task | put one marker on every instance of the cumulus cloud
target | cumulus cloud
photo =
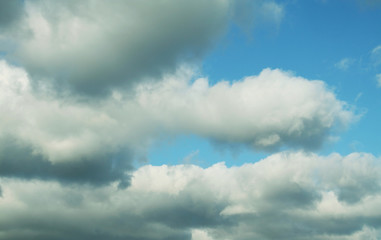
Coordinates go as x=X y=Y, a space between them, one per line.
x=265 y=112
x=91 y=47
x=290 y=195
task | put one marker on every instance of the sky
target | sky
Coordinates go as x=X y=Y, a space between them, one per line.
x=199 y=120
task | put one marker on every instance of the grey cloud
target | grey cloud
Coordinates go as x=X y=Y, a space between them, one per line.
x=10 y=12
x=20 y=160
x=92 y=47
x=172 y=202
x=356 y=178
x=290 y=195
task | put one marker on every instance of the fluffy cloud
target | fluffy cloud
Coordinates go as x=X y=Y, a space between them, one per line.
x=266 y=111
x=50 y=136
x=94 y=46
x=285 y=196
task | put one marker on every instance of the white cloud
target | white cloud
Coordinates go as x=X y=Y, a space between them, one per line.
x=303 y=196
x=198 y=234
x=272 y=109
x=266 y=111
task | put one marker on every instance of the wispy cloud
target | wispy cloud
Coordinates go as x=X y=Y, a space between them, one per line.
x=376 y=49
x=345 y=63
x=190 y=158
x=378 y=78
x=376 y=56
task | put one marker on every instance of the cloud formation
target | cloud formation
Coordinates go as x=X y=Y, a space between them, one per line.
x=92 y=47
x=285 y=196
x=265 y=112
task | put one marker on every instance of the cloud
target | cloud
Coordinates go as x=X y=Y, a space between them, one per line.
x=191 y=157
x=265 y=112
x=93 y=47
x=289 y=195
x=20 y=160
x=378 y=78
x=248 y=14
x=376 y=56
x=376 y=49
x=344 y=63
x=10 y=12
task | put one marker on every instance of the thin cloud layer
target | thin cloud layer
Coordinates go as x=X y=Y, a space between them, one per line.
x=264 y=112
x=90 y=47
x=285 y=196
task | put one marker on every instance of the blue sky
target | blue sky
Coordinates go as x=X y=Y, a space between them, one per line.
x=190 y=120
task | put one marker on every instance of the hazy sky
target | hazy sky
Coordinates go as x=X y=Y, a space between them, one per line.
x=199 y=120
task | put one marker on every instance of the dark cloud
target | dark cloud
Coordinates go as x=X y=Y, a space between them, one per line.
x=22 y=161
x=93 y=46
x=10 y=12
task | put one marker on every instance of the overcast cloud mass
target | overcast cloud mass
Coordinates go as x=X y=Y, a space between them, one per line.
x=88 y=87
